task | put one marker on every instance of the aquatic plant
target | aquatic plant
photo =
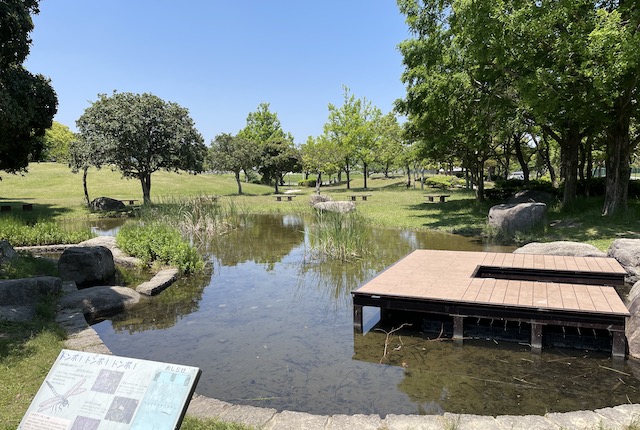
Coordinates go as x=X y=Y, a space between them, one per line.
x=20 y=232
x=340 y=236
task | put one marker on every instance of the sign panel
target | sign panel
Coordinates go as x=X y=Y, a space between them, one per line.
x=86 y=391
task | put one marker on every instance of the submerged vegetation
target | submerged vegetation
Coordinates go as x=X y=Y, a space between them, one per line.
x=339 y=236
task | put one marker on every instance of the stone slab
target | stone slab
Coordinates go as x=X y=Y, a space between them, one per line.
x=525 y=422
x=469 y=422
x=580 y=420
x=248 y=415
x=623 y=415
x=358 y=421
x=160 y=281
x=414 y=422
x=205 y=407
x=291 y=420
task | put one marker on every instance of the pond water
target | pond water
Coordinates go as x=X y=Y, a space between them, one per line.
x=271 y=327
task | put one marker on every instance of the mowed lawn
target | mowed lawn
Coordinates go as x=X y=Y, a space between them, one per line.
x=57 y=193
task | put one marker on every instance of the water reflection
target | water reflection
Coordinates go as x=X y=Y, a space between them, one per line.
x=273 y=327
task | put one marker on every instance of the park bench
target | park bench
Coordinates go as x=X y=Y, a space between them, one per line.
x=441 y=197
x=354 y=197
x=130 y=201
x=288 y=197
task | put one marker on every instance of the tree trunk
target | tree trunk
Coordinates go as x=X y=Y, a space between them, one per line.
x=524 y=165
x=84 y=185
x=364 y=168
x=145 y=181
x=237 y=173
x=547 y=160
x=347 y=172
x=570 y=151
x=318 y=183
x=619 y=149
x=408 y=176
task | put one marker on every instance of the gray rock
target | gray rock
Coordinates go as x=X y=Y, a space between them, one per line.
x=335 y=206
x=627 y=252
x=318 y=198
x=525 y=422
x=360 y=422
x=118 y=256
x=18 y=297
x=100 y=300
x=528 y=196
x=6 y=251
x=87 y=266
x=509 y=219
x=574 y=249
x=159 y=282
x=580 y=420
x=106 y=204
x=632 y=327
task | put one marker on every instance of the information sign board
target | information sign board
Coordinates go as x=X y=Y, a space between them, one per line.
x=87 y=391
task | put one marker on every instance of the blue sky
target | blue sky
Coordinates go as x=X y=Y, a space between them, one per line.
x=221 y=59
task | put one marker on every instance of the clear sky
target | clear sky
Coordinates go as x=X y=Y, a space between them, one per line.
x=221 y=59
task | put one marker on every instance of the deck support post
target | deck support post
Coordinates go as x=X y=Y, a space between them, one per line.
x=536 y=337
x=458 y=327
x=619 y=345
x=357 y=319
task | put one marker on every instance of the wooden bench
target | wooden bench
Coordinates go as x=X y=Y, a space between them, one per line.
x=130 y=201
x=289 y=197
x=354 y=197
x=5 y=208
x=442 y=197
x=27 y=207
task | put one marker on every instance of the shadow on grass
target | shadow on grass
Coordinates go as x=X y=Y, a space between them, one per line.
x=462 y=216
x=29 y=210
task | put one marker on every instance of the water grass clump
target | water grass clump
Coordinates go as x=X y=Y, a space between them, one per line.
x=158 y=243
x=339 y=236
x=198 y=217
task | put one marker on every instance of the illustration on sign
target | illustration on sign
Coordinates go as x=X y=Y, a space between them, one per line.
x=85 y=391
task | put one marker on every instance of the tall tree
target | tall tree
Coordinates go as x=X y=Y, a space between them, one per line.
x=142 y=134
x=27 y=102
x=320 y=155
x=56 y=143
x=234 y=154
x=279 y=156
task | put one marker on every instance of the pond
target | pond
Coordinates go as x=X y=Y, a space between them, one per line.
x=271 y=327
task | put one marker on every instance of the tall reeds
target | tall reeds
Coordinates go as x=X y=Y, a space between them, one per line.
x=197 y=217
x=339 y=236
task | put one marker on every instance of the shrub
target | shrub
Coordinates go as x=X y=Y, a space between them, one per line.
x=307 y=183
x=442 y=181
x=504 y=189
x=20 y=233
x=160 y=243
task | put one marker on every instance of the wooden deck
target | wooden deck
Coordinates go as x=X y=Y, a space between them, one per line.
x=537 y=289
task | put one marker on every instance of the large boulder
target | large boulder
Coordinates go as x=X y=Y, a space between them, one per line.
x=87 y=266
x=319 y=198
x=528 y=196
x=335 y=206
x=118 y=255
x=509 y=219
x=627 y=252
x=574 y=249
x=18 y=297
x=101 y=300
x=106 y=204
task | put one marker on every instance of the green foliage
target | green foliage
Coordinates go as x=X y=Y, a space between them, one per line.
x=56 y=143
x=307 y=183
x=442 y=181
x=139 y=134
x=27 y=102
x=339 y=236
x=506 y=188
x=279 y=156
x=159 y=243
x=233 y=154
x=20 y=233
x=26 y=266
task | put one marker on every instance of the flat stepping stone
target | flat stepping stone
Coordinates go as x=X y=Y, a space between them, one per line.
x=159 y=282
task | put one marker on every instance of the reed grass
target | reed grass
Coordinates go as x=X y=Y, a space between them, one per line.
x=339 y=236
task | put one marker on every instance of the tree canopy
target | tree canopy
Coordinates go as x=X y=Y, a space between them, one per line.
x=481 y=74
x=27 y=102
x=234 y=154
x=140 y=134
